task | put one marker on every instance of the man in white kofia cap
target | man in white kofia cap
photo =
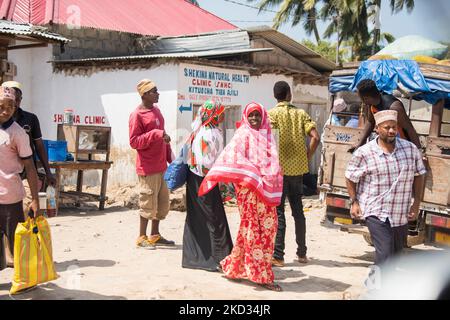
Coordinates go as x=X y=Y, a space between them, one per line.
x=381 y=179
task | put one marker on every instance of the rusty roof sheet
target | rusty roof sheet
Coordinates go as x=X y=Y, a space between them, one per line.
x=25 y=29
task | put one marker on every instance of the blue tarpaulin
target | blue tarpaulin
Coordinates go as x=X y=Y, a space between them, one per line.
x=387 y=74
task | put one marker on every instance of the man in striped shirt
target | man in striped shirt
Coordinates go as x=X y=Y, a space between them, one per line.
x=381 y=178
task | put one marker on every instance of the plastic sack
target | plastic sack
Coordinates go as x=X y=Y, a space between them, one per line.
x=176 y=173
x=33 y=257
x=382 y=57
x=445 y=62
x=409 y=46
x=425 y=59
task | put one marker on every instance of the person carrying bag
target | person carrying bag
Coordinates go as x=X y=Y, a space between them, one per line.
x=33 y=256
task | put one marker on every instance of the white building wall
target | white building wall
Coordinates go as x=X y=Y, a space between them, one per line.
x=314 y=94
x=262 y=89
x=22 y=59
x=112 y=95
x=108 y=94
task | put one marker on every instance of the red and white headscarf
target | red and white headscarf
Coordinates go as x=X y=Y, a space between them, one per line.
x=249 y=160
x=206 y=140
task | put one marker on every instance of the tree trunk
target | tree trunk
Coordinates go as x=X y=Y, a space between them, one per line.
x=375 y=40
x=316 y=34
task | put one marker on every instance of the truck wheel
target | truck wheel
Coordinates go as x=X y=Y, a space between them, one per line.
x=368 y=239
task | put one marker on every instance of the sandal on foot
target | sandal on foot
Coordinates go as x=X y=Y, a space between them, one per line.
x=159 y=240
x=272 y=286
x=142 y=242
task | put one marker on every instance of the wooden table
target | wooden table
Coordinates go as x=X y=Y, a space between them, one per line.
x=79 y=195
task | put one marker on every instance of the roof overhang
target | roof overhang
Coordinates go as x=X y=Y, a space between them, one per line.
x=300 y=77
x=176 y=55
x=31 y=36
x=294 y=48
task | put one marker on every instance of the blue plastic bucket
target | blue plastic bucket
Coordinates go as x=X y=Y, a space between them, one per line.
x=56 y=150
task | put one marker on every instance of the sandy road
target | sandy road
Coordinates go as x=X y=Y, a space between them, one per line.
x=96 y=259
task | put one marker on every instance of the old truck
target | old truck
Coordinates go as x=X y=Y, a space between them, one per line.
x=427 y=102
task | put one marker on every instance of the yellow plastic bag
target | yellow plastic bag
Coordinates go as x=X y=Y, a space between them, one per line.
x=33 y=259
x=425 y=59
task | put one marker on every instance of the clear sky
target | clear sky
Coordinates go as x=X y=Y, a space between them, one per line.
x=430 y=18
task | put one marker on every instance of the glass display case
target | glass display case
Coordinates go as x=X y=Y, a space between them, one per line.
x=85 y=140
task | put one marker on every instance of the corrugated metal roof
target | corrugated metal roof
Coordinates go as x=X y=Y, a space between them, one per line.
x=146 y=17
x=294 y=48
x=198 y=54
x=227 y=40
x=17 y=29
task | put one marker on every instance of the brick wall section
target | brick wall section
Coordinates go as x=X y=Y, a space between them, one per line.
x=95 y=43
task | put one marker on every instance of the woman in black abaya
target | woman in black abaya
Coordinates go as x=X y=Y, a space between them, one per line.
x=206 y=238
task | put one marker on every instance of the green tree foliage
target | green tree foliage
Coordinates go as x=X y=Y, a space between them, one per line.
x=194 y=2
x=365 y=51
x=349 y=19
x=294 y=11
x=326 y=49
x=398 y=5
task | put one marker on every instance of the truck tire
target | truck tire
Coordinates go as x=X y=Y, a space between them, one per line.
x=368 y=239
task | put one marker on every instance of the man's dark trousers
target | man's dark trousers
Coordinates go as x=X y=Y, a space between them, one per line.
x=292 y=189
x=387 y=240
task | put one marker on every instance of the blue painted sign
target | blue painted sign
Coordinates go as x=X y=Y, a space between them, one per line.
x=183 y=108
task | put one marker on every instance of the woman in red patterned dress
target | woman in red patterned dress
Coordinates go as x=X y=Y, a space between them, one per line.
x=250 y=161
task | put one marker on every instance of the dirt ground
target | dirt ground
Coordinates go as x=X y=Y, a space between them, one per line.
x=96 y=258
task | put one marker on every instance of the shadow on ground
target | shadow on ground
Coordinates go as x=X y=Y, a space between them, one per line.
x=89 y=211
x=306 y=285
x=62 y=266
x=315 y=284
x=5 y=286
x=368 y=256
x=51 y=291
x=329 y=263
x=282 y=273
x=175 y=247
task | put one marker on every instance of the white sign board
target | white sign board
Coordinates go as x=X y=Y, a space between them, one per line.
x=197 y=84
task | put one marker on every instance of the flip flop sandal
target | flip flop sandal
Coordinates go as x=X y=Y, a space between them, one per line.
x=272 y=287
